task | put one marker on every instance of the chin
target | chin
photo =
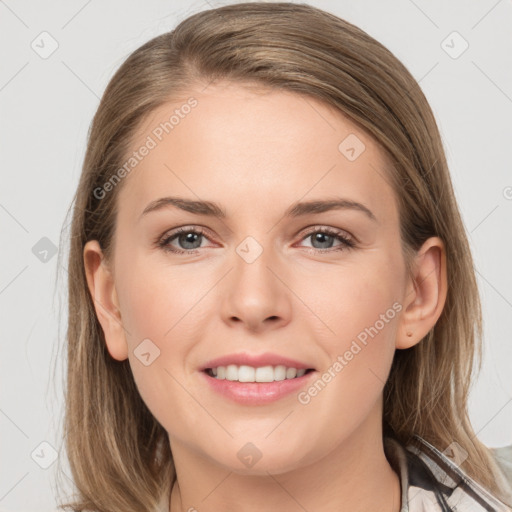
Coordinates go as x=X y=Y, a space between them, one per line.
x=249 y=460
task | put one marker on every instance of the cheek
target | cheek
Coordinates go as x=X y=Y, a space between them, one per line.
x=359 y=314
x=155 y=299
x=160 y=337
x=353 y=302
x=358 y=359
x=161 y=309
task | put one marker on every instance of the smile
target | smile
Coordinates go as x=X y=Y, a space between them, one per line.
x=272 y=386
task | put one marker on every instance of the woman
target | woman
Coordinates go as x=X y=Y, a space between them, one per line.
x=272 y=299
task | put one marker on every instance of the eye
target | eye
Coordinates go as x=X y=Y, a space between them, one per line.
x=322 y=239
x=188 y=240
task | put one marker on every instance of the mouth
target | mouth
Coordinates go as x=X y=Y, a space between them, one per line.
x=248 y=374
x=257 y=385
x=256 y=379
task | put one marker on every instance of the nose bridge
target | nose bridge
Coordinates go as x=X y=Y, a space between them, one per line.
x=253 y=293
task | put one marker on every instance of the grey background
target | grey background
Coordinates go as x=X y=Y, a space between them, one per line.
x=48 y=103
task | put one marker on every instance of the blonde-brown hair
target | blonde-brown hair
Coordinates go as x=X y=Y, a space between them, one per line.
x=118 y=452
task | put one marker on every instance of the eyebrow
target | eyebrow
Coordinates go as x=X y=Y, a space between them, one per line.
x=296 y=210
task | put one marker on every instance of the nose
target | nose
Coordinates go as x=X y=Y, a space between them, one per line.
x=255 y=296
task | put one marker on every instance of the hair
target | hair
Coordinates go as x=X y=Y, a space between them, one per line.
x=119 y=453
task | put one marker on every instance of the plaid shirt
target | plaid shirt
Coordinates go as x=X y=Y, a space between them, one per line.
x=433 y=481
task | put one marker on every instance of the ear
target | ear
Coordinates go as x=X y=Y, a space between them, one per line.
x=425 y=294
x=101 y=285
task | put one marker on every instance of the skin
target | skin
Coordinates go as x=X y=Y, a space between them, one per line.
x=256 y=152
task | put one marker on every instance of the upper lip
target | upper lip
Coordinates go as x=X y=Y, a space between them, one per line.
x=255 y=360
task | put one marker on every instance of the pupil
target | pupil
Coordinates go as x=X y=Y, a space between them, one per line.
x=321 y=238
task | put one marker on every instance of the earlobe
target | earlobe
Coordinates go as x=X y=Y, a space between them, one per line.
x=106 y=304
x=425 y=294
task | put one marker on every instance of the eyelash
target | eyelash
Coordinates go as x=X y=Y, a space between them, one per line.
x=346 y=243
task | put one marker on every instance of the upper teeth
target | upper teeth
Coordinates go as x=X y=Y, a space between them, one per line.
x=261 y=374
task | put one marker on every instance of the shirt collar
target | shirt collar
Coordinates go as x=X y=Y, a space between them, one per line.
x=433 y=481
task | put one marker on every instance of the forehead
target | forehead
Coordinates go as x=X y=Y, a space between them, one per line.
x=232 y=143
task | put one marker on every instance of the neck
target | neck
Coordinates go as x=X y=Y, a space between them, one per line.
x=353 y=476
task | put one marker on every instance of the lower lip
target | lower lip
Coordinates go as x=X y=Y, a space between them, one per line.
x=257 y=393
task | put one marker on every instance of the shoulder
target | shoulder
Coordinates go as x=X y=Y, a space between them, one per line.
x=432 y=480
x=503 y=458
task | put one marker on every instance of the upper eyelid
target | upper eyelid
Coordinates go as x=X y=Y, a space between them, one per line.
x=183 y=229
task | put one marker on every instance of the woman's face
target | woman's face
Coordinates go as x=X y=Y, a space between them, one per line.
x=261 y=279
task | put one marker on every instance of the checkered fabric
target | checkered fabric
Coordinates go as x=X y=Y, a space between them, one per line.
x=434 y=481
